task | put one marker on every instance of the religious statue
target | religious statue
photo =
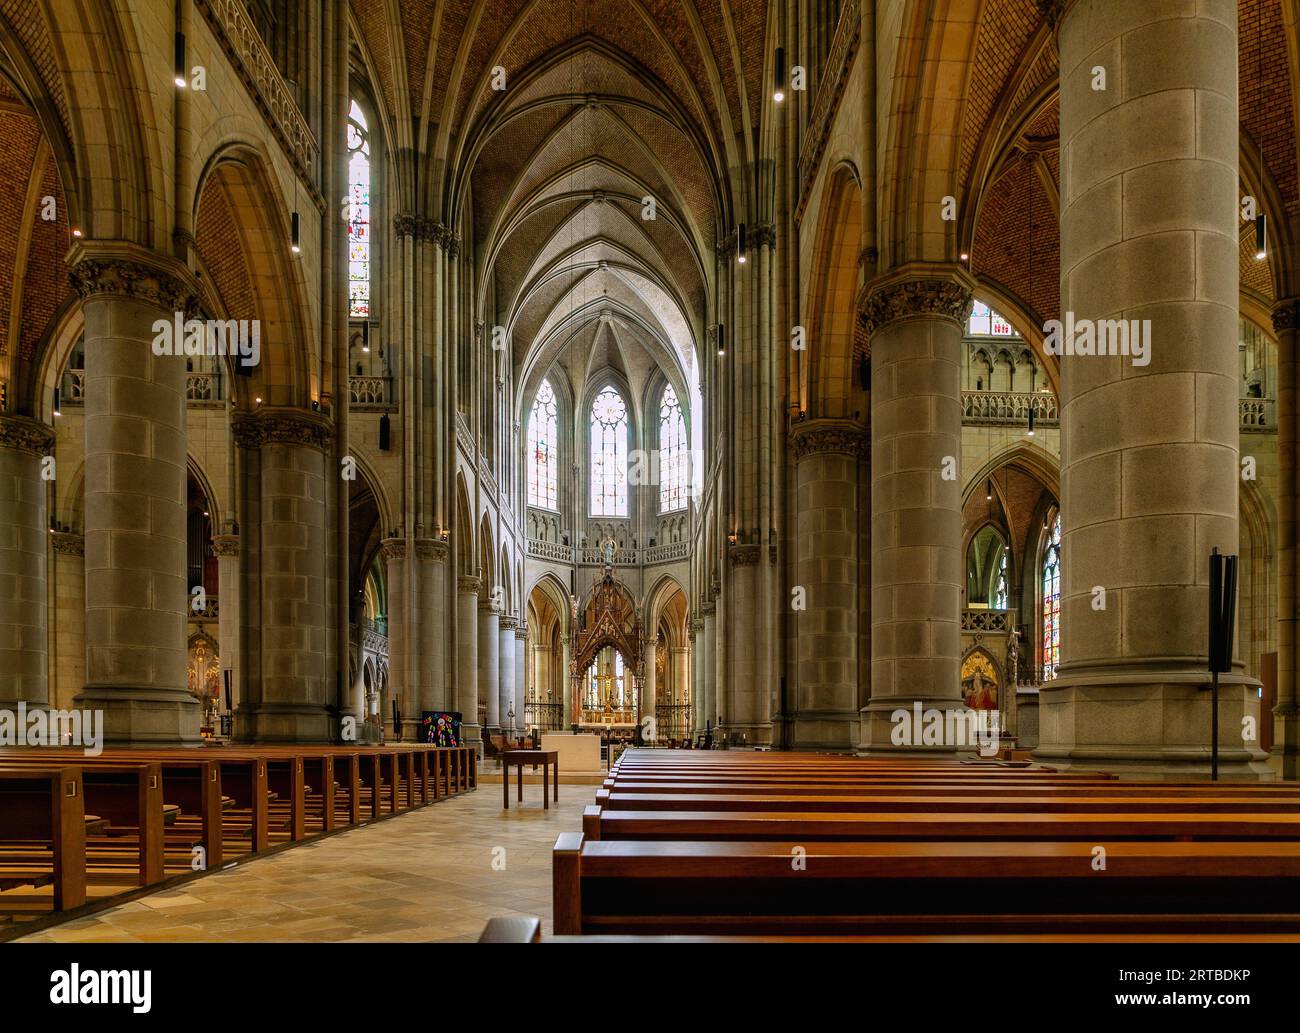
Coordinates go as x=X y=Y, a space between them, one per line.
x=607 y=549
x=1013 y=658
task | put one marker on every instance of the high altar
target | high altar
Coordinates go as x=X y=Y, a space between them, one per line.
x=606 y=665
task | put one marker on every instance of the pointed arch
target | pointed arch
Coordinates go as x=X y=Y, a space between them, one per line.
x=826 y=383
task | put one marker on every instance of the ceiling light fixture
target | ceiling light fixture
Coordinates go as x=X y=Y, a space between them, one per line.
x=778 y=92
x=180 y=60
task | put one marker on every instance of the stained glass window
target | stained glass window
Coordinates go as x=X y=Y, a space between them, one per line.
x=609 y=454
x=543 y=440
x=674 y=457
x=1052 y=601
x=358 y=206
x=984 y=322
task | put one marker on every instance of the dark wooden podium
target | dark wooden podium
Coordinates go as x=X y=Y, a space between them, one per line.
x=530 y=758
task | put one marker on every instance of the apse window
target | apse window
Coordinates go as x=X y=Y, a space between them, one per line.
x=358 y=214
x=674 y=457
x=543 y=438
x=609 y=454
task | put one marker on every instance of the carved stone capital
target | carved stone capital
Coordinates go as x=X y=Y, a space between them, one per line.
x=466 y=584
x=225 y=545
x=1286 y=315
x=840 y=437
x=744 y=555
x=393 y=548
x=276 y=426
x=763 y=235
x=117 y=269
x=927 y=293
x=521 y=631
x=68 y=544
x=508 y=623
x=451 y=244
x=707 y=609
x=1053 y=11
x=431 y=549
x=23 y=434
x=405 y=224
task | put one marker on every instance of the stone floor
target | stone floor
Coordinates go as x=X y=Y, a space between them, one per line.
x=428 y=875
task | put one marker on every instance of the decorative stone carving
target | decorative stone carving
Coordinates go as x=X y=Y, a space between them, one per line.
x=279 y=426
x=431 y=549
x=708 y=610
x=764 y=234
x=68 y=544
x=393 y=548
x=1053 y=10
x=468 y=585
x=1286 y=315
x=405 y=224
x=744 y=555
x=123 y=277
x=821 y=437
x=225 y=545
x=929 y=297
x=23 y=434
x=508 y=623
x=826 y=101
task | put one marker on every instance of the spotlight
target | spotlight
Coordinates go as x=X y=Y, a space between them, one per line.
x=293 y=234
x=1031 y=419
x=76 y=232
x=1261 y=236
x=965 y=257
x=778 y=92
x=989 y=490
x=722 y=340
x=258 y=399
x=57 y=411
x=180 y=60
x=740 y=243
x=365 y=337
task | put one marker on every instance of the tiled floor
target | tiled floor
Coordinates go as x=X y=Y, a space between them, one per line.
x=438 y=873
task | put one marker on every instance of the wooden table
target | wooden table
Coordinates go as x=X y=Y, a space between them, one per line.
x=546 y=758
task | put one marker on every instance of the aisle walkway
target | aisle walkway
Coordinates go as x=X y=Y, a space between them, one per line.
x=423 y=876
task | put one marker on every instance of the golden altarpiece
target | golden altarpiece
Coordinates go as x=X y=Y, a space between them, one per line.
x=606 y=665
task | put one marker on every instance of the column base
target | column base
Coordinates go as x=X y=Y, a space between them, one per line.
x=1285 y=757
x=876 y=728
x=758 y=734
x=1149 y=725
x=283 y=722
x=829 y=730
x=143 y=717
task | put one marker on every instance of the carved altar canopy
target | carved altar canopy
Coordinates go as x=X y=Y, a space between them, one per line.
x=608 y=619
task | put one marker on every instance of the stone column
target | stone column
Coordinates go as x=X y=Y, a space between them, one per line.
x=400 y=638
x=521 y=675
x=1286 y=712
x=24 y=593
x=69 y=609
x=708 y=664
x=650 y=696
x=695 y=631
x=914 y=319
x=749 y=713
x=506 y=669
x=489 y=662
x=1149 y=475
x=432 y=557
x=290 y=697
x=829 y=454
x=467 y=589
x=135 y=494
x=226 y=549
x=680 y=662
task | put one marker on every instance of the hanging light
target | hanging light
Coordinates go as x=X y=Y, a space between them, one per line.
x=778 y=92
x=740 y=243
x=1031 y=418
x=989 y=490
x=965 y=257
x=1261 y=236
x=180 y=60
x=722 y=339
x=365 y=337
x=293 y=233
x=57 y=411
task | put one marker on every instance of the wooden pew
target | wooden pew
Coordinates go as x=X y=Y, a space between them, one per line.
x=49 y=803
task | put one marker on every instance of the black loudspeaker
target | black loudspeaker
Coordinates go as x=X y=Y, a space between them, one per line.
x=864 y=372
x=225 y=675
x=1223 y=608
x=385 y=433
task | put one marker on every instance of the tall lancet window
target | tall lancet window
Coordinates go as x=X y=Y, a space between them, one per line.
x=609 y=454
x=674 y=456
x=543 y=439
x=1052 y=600
x=358 y=214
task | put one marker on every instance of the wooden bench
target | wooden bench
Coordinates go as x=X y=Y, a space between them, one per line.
x=48 y=803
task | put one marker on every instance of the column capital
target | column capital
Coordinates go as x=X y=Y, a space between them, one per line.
x=744 y=555
x=508 y=623
x=521 y=631
x=843 y=437
x=1286 y=315
x=24 y=434
x=68 y=544
x=431 y=549
x=225 y=545
x=916 y=291
x=393 y=548
x=467 y=584
x=119 y=268
x=281 y=425
x=707 y=609
x=1053 y=10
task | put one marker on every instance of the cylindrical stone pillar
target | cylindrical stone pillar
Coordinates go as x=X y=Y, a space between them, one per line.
x=1286 y=711
x=68 y=607
x=829 y=454
x=750 y=711
x=1149 y=385
x=400 y=639
x=708 y=661
x=650 y=697
x=24 y=592
x=915 y=318
x=226 y=549
x=467 y=589
x=506 y=670
x=135 y=494
x=289 y=703
x=521 y=676
x=489 y=663
x=432 y=555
